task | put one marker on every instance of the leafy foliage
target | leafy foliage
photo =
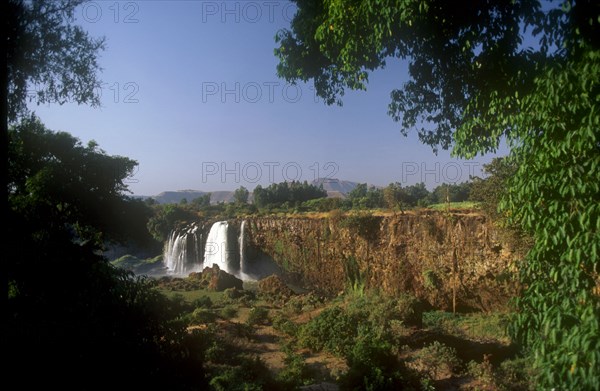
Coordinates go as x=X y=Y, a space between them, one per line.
x=65 y=201
x=554 y=196
x=45 y=50
x=257 y=316
x=165 y=218
x=437 y=358
x=456 y=54
x=296 y=372
x=290 y=193
x=475 y=79
x=361 y=333
x=365 y=197
x=240 y=195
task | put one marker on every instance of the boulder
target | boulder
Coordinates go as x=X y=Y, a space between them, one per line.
x=218 y=280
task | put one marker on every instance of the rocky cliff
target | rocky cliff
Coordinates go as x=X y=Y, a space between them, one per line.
x=443 y=258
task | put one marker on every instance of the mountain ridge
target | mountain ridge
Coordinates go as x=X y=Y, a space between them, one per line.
x=336 y=188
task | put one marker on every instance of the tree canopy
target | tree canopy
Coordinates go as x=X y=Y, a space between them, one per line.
x=462 y=59
x=525 y=71
x=45 y=50
x=66 y=200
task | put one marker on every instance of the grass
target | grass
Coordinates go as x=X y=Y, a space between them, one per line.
x=455 y=205
x=477 y=326
x=130 y=261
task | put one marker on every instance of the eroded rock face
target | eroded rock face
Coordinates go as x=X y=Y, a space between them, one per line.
x=433 y=255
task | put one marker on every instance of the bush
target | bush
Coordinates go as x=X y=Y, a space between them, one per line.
x=228 y=312
x=482 y=372
x=373 y=366
x=202 y=302
x=201 y=315
x=441 y=321
x=283 y=324
x=300 y=303
x=258 y=315
x=516 y=374
x=250 y=375
x=232 y=293
x=409 y=310
x=295 y=373
x=333 y=330
x=435 y=360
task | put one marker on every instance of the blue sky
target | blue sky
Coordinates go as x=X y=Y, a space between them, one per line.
x=191 y=93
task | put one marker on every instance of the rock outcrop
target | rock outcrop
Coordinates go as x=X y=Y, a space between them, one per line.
x=215 y=279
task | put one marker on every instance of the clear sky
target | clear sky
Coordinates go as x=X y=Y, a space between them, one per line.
x=191 y=93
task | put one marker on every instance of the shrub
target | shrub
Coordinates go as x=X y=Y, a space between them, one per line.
x=228 y=312
x=516 y=374
x=295 y=373
x=232 y=293
x=283 y=324
x=258 y=315
x=445 y=322
x=482 y=372
x=202 y=302
x=435 y=360
x=250 y=375
x=242 y=330
x=201 y=315
x=333 y=330
x=300 y=303
x=373 y=366
x=409 y=310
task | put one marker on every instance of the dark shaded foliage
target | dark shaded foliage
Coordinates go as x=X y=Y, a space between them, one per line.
x=71 y=315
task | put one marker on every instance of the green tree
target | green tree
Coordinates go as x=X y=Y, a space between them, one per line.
x=203 y=201
x=66 y=200
x=360 y=191
x=286 y=193
x=488 y=191
x=451 y=192
x=521 y=70
x=45 y=50
x=240 y=195
x=417 y=194
x=394 y=196
x=165 y=218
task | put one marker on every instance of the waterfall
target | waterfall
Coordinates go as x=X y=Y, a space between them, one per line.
x=217 y=248
x=182 y=250
x=186 y=251
x=241 y=242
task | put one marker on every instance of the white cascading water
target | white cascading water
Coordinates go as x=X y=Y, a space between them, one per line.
x=217 y=247
x=241 y=242
x=177 y=258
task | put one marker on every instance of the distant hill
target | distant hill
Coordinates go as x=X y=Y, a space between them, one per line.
x=336 y=188
x=174 y=197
